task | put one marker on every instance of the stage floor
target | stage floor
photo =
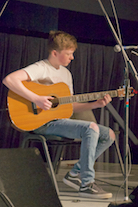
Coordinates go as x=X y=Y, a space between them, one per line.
x=109 y=176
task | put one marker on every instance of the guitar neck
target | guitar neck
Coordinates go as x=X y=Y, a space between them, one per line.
x=87 y=97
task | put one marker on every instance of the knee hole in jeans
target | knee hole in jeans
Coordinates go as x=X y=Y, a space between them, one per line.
x=94 y=126
x=112 y=134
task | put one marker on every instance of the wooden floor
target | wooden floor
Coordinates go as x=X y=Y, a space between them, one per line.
x=109 y=176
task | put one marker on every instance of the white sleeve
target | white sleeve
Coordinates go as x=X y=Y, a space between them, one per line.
x=35 y=71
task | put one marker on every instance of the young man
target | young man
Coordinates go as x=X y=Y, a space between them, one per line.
x=95 y=138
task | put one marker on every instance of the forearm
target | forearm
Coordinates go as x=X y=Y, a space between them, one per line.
x=15 y=84
x=79 y=107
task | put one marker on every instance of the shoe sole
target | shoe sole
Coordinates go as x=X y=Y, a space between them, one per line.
x=102 y=196
x=72 y=185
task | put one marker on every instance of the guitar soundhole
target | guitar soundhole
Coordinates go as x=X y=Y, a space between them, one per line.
x=55 y=102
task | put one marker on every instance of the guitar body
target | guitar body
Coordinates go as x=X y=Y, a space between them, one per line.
x=21 y=111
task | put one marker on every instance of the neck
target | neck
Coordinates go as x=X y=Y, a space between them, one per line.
x=53 y=62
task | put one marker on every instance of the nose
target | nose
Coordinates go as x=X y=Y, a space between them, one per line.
x=72 y=57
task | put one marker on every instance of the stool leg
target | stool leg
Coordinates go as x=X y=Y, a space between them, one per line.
x=45 y=147
x=47 y=156
x=57 y=160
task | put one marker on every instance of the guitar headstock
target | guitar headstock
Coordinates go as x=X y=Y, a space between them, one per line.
x=121 y=92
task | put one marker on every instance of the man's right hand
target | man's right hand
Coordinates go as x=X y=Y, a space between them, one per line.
x=44 y=102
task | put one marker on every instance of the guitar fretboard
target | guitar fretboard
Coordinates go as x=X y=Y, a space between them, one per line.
x=86 y=97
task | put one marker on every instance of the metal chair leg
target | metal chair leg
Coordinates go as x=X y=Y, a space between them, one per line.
x=42 y=139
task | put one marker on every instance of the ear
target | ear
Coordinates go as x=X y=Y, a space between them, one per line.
x=54 y=53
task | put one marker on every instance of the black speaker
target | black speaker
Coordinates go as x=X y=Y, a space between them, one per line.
x=24 y=180
x=123 y=204
x=134 y=195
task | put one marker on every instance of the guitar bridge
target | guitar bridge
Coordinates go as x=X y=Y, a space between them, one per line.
x=34 y=107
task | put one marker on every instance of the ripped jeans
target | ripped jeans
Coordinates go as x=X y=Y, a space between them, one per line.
x=93 y=143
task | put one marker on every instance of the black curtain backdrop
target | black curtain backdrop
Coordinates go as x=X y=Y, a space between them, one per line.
x=95 y=68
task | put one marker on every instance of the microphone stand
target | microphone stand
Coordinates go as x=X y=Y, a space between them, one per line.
x=4 y=8
x=129 y=65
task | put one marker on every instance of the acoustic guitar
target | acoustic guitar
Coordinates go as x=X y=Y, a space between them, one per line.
x=26 y=116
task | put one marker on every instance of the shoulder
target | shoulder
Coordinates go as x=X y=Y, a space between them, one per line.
x=36 y=70
x=35 y=66
x=42 y=63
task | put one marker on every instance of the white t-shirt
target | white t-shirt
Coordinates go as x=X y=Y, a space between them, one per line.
x=43 y=72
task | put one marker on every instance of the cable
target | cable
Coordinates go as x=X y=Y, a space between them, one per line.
x=114 y=185
x=119 y=33
x=114 y=33
x=117 y=23
x=121 y=186
x=6 y=200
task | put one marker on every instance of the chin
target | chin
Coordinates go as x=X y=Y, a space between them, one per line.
x=65 y=64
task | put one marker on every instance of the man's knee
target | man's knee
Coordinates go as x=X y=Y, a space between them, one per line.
x=94 y=126
x=112 y=134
